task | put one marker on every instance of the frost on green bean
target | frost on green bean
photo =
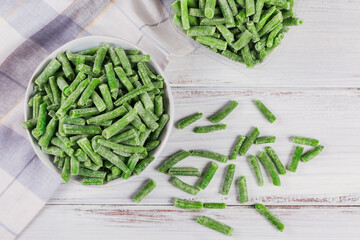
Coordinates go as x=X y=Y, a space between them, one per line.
x=263 y=140
x=271 y=217
x=224 y=112
x=215 y=225
x=249 y=141
x=295 y=158
x=243 y=190
x=208 y=175
x=185 y=204
x=189 y=120
x=184 y=186
x=306 y=141
x=256 y=168
x=265 y=111
x=209 y=154
x=228 y=179
x=211 y=128
x=174 y=159
x=270 y=168
x=312 y=153
x=149 y=186
x=274 y=157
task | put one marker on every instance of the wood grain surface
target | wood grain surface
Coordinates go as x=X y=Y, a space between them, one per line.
x=312 y=84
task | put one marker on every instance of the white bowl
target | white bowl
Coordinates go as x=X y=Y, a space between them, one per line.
x=82 y=44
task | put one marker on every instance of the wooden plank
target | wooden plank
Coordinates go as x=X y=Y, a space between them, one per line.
x=323 y=52
x=327 y=114
x=152 y=222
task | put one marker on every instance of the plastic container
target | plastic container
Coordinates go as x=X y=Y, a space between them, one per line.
x=79 y=45
x=299 y=9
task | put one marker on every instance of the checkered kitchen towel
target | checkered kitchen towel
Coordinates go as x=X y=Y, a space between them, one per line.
x=29 y=31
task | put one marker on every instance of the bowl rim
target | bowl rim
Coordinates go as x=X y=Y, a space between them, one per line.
x=69 y=46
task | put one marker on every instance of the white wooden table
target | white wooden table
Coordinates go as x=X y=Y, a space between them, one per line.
x=312 y=85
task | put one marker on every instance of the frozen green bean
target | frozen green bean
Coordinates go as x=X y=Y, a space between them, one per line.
x=208 y=175
x=256 y=168
x=215 y=205
x=271 y=217
x=295 y=159
x=212 y=42
x=215 y=225
x=91 y=173
x=48 y=71
x=312 y=153
x=49 y=133
x=208 y=154
x=149 y=187
x=184 y=172
x=265 y=111
x=189 y=120
x=184 y=186
x=249 y=141
x=279 y=3
x=120 y=147
x=270 y=168
x=306 y=141
x=140 y=167
x=211 y=128
x=243 y=190
x=224 y=112
x=119 y=124
x=65 y=174
x=105 y=92
x=85 y=145
x=237 y=146
x=125 y=63
x=243 y=40
x=293 y=22
x=174 y=159
x=92 y=181
x=275 y=159
x=249 y=7
x=185 y=204
x=201 y=31
x=66 y=66
x=263 y=140
x=99 y=58
x=228 y=179
x=132 y=94
x=41 y=122
x=133 y=160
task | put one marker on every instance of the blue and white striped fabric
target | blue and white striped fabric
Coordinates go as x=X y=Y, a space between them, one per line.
x=30 y=30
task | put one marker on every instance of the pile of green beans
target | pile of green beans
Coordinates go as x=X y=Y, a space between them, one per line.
x=243 y=31
x=99 y=112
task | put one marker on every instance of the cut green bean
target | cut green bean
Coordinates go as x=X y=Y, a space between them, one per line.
x=212 y=42
x=111 y=157
x=312 y=154
x=201 y=31
x=174 y=159
x=88 y=91
x=158 y=106
x=52 y=150
x=189 y=120
x=124 y=60
x=131 y=166
x=120 y=124
x=184 y=186
x=306 y=141
x=48 y=71
x=41 y=122
x=118 y=112
x=249 y=7
x=149 y=187
x=208 y=154
x=208 y=175
x=224 y=112
x=85 y=145
x=215 y=205
x=144 y=163
x=49 y=133
x=244 y=39
x=265 y=111
x=145 y=116
x=78 y=129
x=258 y=10
x=270 y=168
x=29 y=124
x=271 y=217
x=152 y=145
x=265 y=15
x=295 y=159
x=65 y=174
x=243 y=190
x=237 y=146
x=130 y=95
x=228 y=179
x=293 y=22
x=78 y=79
x=105 y=92
x=212 y=22
x=66 y=66
x=249 y=141
x=184 y=14
x=99 y=58
x=121 y=137
x=279 y=3
x=185 y=204
x=215 y=225
x=120 y=147
x=92 y=181
x=184 y=172
x=275 y=159
x=256 y=168
x=226 y=11
x=72 y=98
x=91 y=173
x=209 y=10
x=112 y=81
x=271 y=24
x=80 y=155
x=211 y=128
x=57 y=142
x=263 y=140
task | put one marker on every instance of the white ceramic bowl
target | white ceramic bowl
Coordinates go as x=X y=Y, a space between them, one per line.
x=82 y=44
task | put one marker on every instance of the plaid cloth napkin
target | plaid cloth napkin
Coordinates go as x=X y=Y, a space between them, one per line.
x=31 y=30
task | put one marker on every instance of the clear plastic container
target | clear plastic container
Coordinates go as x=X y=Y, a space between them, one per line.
x=299 y=8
